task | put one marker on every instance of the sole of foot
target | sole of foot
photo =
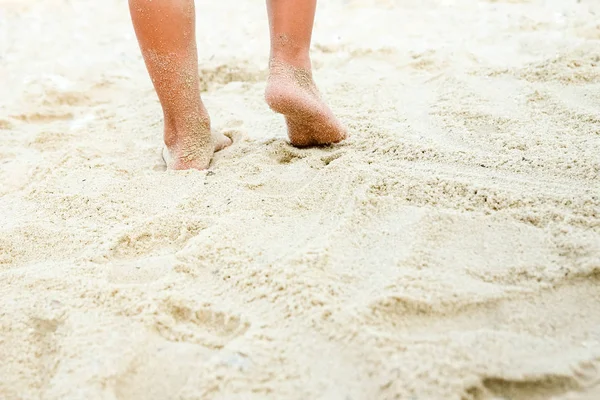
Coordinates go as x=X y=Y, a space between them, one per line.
x=292 y=92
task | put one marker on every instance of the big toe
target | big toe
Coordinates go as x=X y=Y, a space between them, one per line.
x=221 y=141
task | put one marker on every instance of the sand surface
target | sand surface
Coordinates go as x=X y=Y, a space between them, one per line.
x=450 y=249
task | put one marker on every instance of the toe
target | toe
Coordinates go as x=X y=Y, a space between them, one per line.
x=221 y=141
x=168 y=158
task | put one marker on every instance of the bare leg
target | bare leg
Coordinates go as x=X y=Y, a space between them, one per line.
x=291 y=90
x=166 y=33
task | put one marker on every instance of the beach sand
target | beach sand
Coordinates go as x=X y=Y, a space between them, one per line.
x=449 y=249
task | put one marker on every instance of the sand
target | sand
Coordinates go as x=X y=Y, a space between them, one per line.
x=450 y=249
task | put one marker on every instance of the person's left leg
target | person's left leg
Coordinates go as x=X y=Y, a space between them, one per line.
x=166 y=33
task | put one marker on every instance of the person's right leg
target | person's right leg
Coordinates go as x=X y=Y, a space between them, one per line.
x=291 y=90
x=166 y=34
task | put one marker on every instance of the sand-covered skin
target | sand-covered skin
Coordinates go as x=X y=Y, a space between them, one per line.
x=449 y=249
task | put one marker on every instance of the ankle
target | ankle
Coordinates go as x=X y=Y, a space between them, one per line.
x=299 y=59
x=177 y=131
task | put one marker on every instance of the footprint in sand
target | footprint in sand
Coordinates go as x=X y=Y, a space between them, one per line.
x=6 y=124
x=44 y=117
x=154 y=237
x=544 y=386
x=178 y=321
x=230 y=72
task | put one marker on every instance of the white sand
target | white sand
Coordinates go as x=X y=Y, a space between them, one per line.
x=449 y=250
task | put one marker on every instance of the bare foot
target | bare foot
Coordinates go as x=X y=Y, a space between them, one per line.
x=292 y=92
x=194 y=148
